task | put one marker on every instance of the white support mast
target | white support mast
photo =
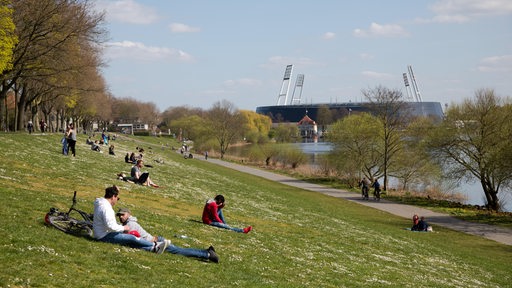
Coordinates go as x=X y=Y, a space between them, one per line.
x=415 y=88
x=299 y=83
x=286 y=83
x=407 y=87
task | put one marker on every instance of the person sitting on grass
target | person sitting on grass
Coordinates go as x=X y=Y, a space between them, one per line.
x=111 y=150
x=106 y=228
x=95 y=146
x=126 y=218
x=137 y=177
x=419 y=224
x=212 y=215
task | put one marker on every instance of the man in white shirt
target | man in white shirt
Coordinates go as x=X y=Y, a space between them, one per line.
x=106 y=229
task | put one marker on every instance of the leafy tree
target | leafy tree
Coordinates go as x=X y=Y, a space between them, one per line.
x=8 y=38
x=175 y=113
x=357 y=141
x=256 y=126
x=56 y=39
x=267 y=151
x=474 y=141
x=291 y=155
x=284 y=133
x=413 y=165
x=225 y=124
x=191 y=127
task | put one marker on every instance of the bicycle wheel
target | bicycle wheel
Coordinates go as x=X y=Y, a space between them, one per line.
x=60 y=222
x=80 y=229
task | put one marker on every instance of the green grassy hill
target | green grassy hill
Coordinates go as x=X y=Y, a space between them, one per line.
x=300 y=238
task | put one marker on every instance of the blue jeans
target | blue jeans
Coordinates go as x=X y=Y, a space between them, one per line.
x=188 y=252
x=128 y=240
x=224 y=225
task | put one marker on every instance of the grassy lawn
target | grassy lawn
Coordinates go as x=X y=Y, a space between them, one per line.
x=300 y=238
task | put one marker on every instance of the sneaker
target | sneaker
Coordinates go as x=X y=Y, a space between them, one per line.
x=160 y=247
x=212 y=256
x=247 y=229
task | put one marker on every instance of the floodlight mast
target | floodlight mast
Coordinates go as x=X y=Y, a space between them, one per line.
x=414 y=85
x=299 y=83
x=407 y=87
x=286 y=83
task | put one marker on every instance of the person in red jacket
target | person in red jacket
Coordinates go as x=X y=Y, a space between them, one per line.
x=212 y=215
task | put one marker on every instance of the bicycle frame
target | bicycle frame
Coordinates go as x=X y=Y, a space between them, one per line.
x=87 y=217
x=64 y=222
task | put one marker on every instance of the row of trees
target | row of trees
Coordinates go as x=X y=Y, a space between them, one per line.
x=50 y=68
x=472 y=142
x=52 y=61
x=218 y=127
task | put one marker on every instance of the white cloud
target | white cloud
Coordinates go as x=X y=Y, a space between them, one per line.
x=329 y=35
x=139 y=51
x=182 y=28
x=377 y=75
x=496 y=64
x=460 y=11
x=127 y=11
x=377 y=30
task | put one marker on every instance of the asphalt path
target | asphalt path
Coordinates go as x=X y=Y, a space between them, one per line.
x=498 y=234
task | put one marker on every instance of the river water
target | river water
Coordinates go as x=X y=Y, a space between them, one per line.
x=472 y=191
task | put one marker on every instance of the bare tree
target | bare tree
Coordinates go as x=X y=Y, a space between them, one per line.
x=226 y=124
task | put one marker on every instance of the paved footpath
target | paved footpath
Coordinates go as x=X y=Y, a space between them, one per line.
x=498 y=234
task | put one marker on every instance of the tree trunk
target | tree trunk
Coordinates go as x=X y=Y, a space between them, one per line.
x=21 y=107
x=491 y=195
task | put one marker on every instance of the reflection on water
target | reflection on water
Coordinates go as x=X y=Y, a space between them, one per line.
x=472 y=191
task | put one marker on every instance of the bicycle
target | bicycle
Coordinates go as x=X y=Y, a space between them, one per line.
x=364 y=192
x=64 y=222
x=376 y=194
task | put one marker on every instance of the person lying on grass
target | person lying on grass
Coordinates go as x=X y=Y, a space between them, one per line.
x=106 y=228
x=212 y=215
x=126 y=218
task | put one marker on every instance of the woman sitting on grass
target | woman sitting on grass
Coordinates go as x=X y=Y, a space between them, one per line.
x=136 y=176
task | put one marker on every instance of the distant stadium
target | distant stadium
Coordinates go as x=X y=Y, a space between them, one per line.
x=294 y=111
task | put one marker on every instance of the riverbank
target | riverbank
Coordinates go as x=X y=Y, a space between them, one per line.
x=446 y=203
x=500 y=230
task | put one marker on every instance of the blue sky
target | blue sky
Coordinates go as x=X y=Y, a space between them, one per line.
x=198 y=52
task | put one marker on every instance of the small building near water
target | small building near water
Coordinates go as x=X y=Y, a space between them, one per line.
x=308 y=128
